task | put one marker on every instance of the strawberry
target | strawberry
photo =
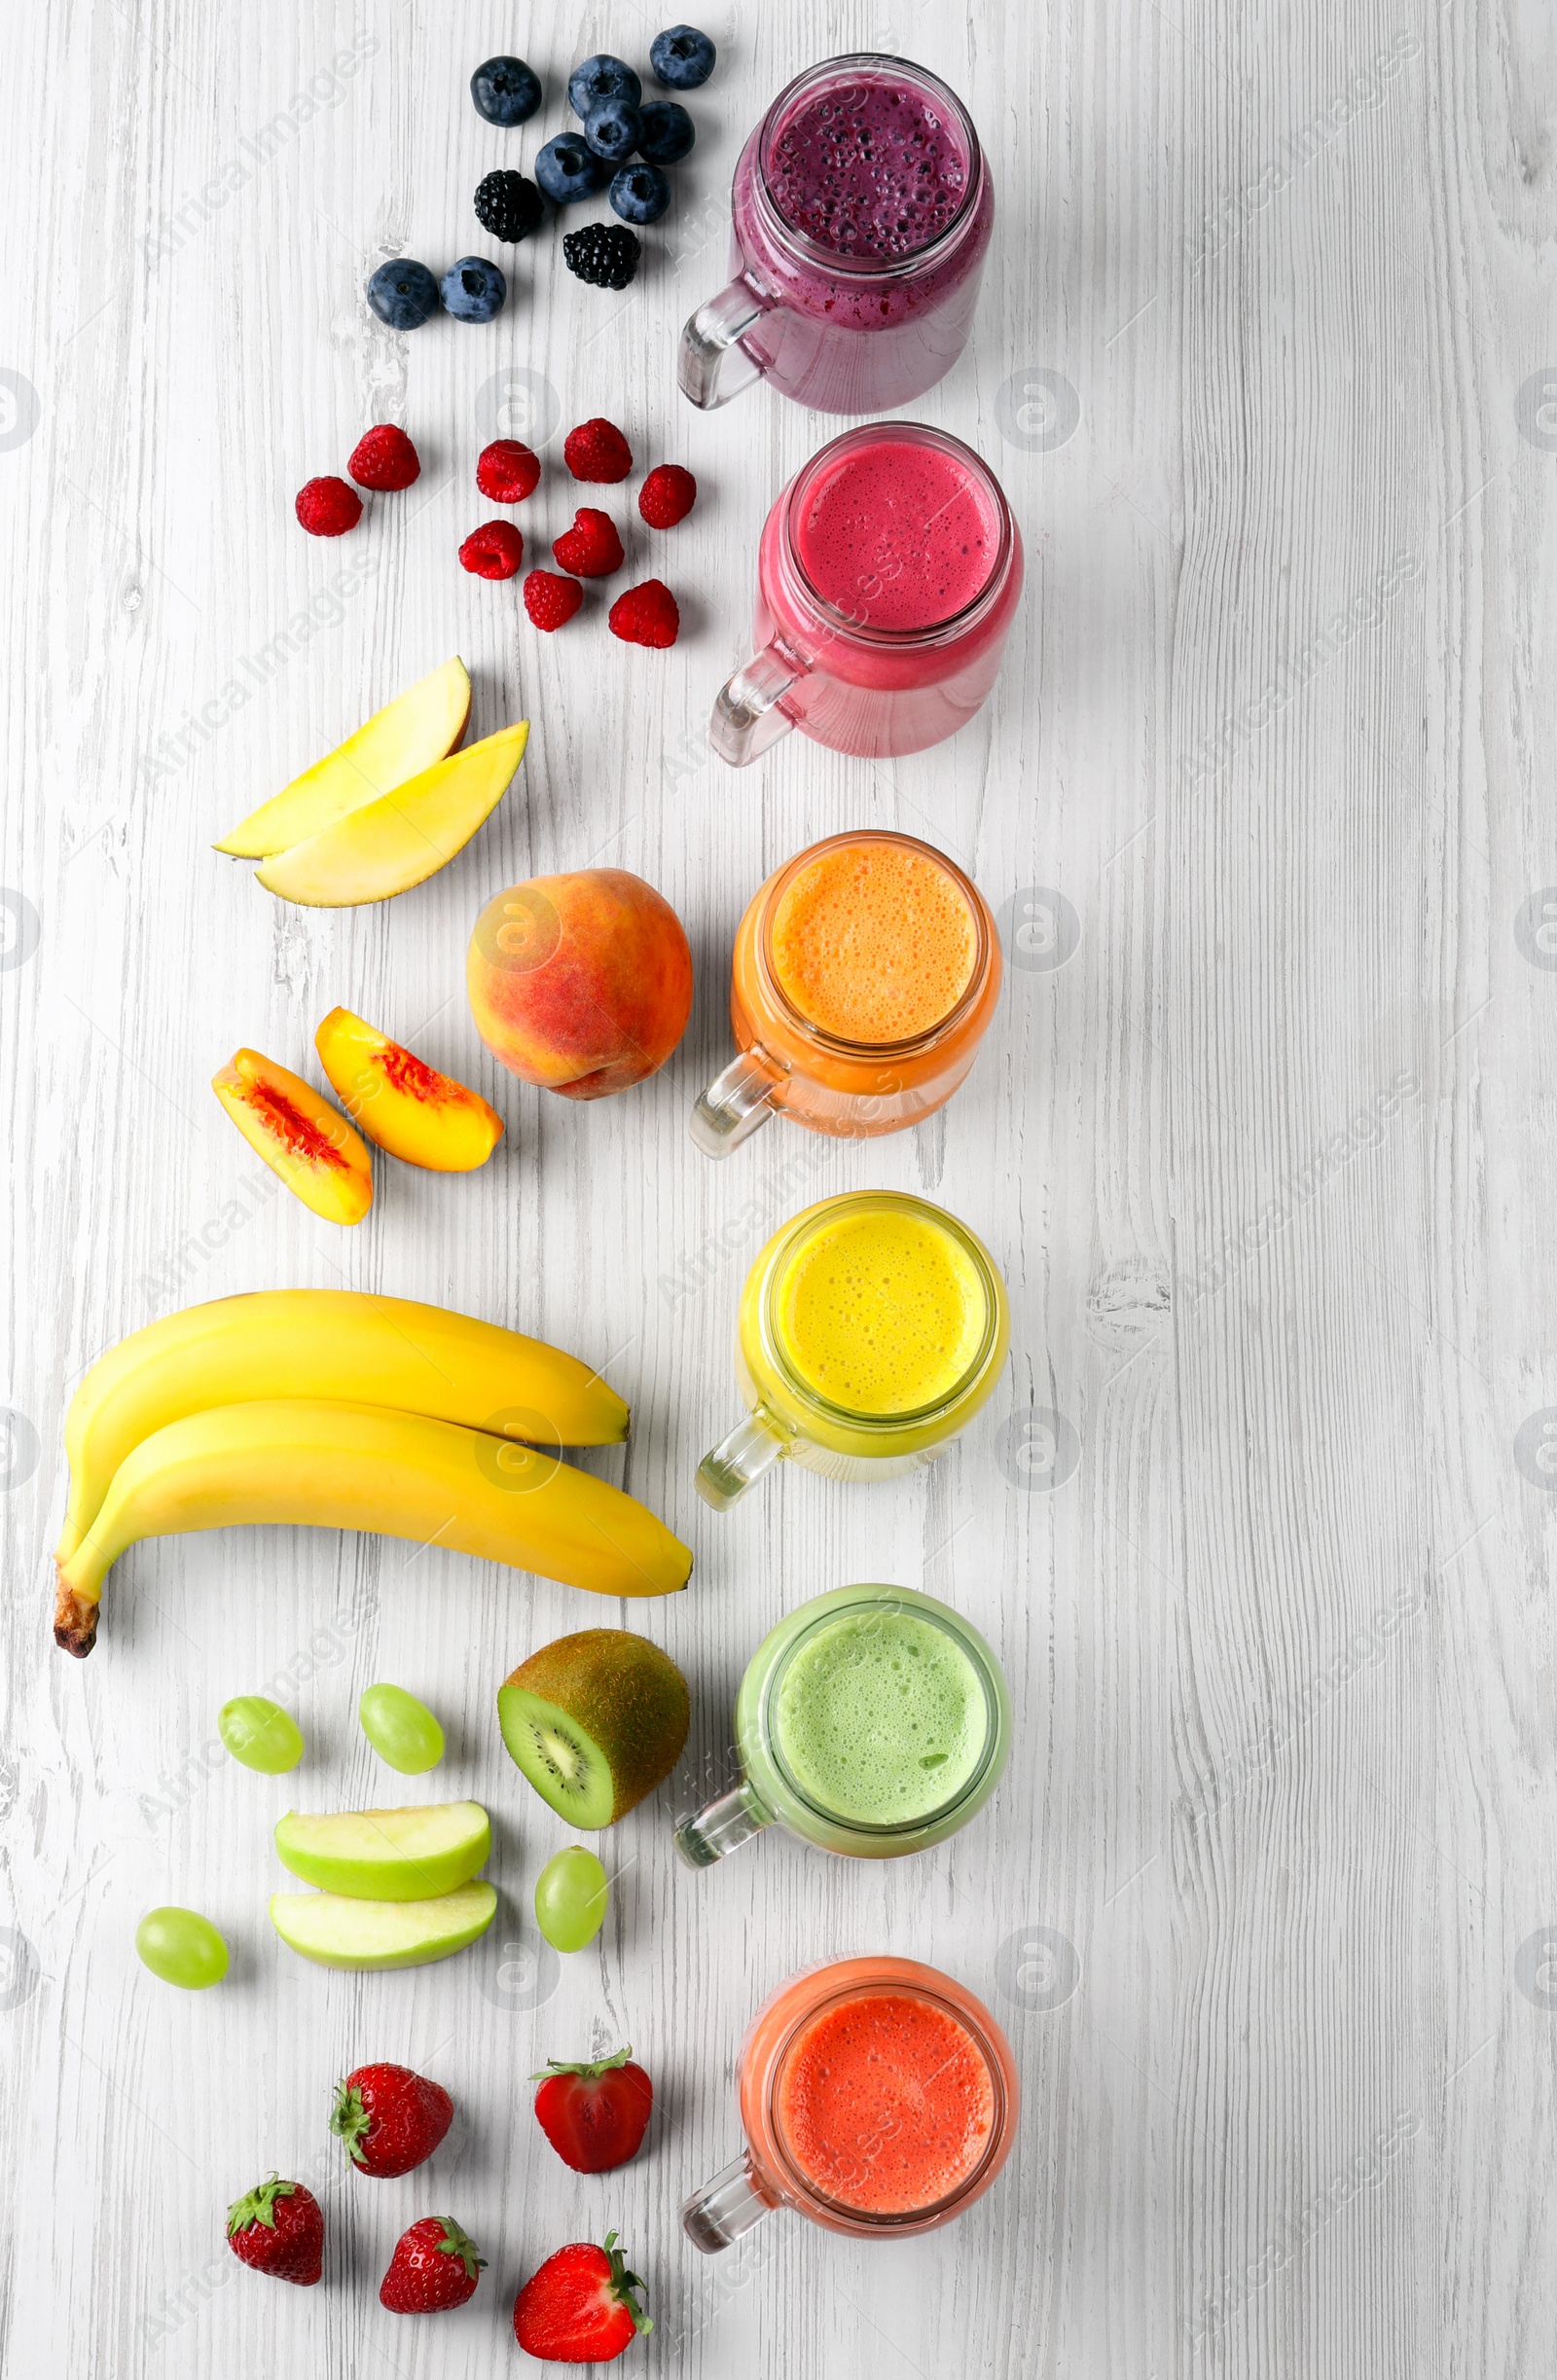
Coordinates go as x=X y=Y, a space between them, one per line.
x=666 y=495
x=645 y=615
x=389 y=2118
x=494 y=551
x=434 y=2267
x=550 y=600
x=594 y=2115
x=591 y=549
x=327 y=507
x=506 y=471
x=597 y=451
x=579 y=2308
x=278 y=2228
x=384 y=458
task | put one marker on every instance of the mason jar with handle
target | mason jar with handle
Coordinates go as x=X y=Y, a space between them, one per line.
x=860 y=213
x=874 y=1721
x=864 y=975
x=888 y=574
x=879 y=2098
x=872 y=1329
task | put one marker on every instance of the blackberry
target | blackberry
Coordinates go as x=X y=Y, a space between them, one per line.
x=605 y=254
x=508 y=206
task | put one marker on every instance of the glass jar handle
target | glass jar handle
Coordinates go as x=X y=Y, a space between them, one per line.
x=726 y=2208
x=728 y=1822
x=735 y=1104
x=740 y=1461
x=712 y=366
x=746 y=719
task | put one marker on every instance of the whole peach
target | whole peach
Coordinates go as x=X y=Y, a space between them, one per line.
x=581 y=982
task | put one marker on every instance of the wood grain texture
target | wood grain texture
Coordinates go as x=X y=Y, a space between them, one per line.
x=1266 y=1160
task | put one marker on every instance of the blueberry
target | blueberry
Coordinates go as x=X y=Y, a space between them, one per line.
x=506 y=90
x=567 y=168
x=669 y=132
x=682 y=57
x=613 y=130
x=472 y=291
x=403 y=294
x=641 y=194
x=599 y=79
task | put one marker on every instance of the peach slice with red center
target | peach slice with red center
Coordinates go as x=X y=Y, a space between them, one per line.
x=301 y=1138
x=402 y=1104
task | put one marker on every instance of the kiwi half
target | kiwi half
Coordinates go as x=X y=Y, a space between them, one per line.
x=596 y=1721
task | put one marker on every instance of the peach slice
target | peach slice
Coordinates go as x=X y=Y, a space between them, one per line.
x=402 y=1104
x=300 y=1135
x=391 y=844
x=419 y=727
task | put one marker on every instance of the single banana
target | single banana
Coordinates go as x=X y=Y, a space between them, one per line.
x=330 y=1343
x=328 y=1466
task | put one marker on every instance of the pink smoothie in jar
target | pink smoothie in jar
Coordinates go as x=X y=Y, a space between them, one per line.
x=862 y=209
x=891 y=568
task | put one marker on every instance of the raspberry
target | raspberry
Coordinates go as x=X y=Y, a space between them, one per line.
x=646 y=615
x=604 y=254
x=597 y=451
x=506 y=472
x=328 y=508
x=591 y=549
x=508 y=206
x=494 y=551
x=550 y=600
x=666 y=495
x=384 y=458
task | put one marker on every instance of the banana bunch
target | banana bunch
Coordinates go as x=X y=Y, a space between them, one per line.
x=333 y=1409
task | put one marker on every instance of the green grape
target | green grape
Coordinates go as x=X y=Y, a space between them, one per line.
x=182 y=1947
x=570 y=1898
x=261 y=1734
x=401 y=1730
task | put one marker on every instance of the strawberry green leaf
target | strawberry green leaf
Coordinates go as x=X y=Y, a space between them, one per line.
x=590 y=2070
x=258 y=2206
x=623 y=2284
x=456 y=2243
x=350 y=2119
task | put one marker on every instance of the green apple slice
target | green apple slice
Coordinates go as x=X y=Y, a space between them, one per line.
x=388 y=1855
x=398 y=743
x=335 y=1932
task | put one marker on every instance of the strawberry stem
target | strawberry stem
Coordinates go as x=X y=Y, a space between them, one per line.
x=258 y=2206
x=623 y=2284
x=589 y=2068
x=350 y=2121
x=456 y=2243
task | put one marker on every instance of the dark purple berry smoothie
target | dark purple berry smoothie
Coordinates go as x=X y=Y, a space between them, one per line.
x=870 y=170
x=862 y=210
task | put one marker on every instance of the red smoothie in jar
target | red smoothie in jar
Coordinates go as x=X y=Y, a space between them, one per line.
x=892 y=568
x=885 y=2104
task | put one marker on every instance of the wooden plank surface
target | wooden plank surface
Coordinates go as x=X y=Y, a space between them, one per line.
x=1261 y=1520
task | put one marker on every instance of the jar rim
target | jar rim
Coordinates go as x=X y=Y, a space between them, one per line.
x=814 y=251
x=937 y=632
x=915 y=1045
x=919 y=1417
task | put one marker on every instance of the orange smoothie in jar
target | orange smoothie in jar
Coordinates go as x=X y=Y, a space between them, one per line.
x=873 y=942
x=885 y=2104
x=866 y=973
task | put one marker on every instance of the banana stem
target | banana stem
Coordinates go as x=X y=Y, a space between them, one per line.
x=75 y=1618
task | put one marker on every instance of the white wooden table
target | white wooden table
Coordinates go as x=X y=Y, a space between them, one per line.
x=1260 y=1522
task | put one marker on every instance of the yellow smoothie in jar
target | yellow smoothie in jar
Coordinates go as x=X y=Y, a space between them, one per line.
x=880 y=1311
x=874 y=1326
